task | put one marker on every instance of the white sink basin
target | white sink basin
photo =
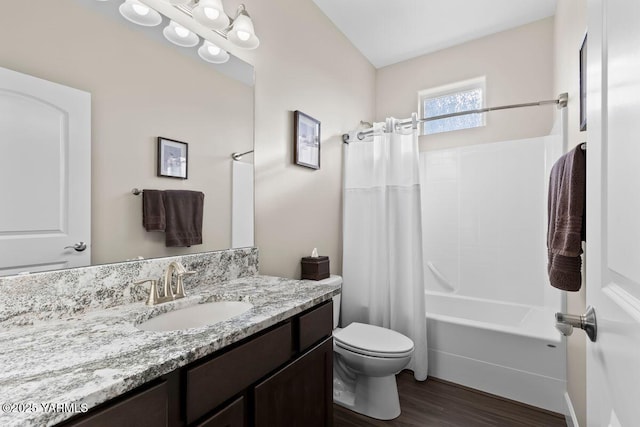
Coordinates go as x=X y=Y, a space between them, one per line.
x=195 y=316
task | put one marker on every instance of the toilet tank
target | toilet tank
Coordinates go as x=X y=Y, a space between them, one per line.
x=334 y=280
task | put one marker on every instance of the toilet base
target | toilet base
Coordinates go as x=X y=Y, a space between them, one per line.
x=375 y=397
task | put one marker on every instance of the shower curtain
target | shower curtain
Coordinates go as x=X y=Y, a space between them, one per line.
x=382 y=249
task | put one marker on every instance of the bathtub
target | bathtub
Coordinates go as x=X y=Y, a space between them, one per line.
x=509 y=350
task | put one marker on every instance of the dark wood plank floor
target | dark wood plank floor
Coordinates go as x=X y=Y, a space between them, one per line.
x=439 y=403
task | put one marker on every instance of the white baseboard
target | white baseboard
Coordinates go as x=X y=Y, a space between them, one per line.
x=570 y=414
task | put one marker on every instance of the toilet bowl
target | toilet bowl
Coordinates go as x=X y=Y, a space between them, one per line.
x=366 y=359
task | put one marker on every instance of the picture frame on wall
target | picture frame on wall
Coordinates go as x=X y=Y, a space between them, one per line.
x=306 y=140
x=173 y=158
x=583 y=84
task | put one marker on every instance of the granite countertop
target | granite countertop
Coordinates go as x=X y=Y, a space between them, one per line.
x=82 y=361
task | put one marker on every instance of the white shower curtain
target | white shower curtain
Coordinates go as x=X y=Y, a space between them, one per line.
x=382 y=249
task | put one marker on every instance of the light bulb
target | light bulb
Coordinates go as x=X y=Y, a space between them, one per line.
x=243 y=35
x=211 y=13
x=138 y=13
x=181 y=31
x=212 y=53
x=140 y=9
x=179 y=35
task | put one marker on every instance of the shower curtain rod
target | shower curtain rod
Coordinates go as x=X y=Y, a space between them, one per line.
x=561 y=101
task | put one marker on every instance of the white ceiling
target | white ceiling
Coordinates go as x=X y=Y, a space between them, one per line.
x=390 y=31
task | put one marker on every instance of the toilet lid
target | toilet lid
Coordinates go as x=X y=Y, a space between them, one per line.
x=370 y=339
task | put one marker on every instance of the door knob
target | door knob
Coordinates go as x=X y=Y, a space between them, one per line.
x=587 y=322
x=78 y=247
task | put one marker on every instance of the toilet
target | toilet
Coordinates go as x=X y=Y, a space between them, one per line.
x=366 y=359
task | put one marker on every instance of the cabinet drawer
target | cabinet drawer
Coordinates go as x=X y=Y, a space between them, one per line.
x=213 y=382
x=231 y=416
x=148 y=408
x=315 y=325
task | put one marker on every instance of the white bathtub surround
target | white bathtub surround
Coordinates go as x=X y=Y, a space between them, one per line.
x=382 y=258
x=490 y=308
x=484 y=219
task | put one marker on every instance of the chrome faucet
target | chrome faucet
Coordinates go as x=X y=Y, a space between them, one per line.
x=169 y=295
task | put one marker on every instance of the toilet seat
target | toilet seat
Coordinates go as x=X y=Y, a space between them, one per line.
x=373 y=341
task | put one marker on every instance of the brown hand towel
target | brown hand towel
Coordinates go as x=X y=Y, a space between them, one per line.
x=183 y=210
x=153 y=217
x=566 y=227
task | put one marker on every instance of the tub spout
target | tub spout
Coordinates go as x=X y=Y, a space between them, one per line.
x=564 y=328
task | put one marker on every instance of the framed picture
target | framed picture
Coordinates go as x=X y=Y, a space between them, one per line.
x=306 y=140
x=583 y=84
x=172 y=158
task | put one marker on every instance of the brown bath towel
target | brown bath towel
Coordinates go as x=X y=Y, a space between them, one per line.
x=566 y=228
x=153 y=218
x=183 y=211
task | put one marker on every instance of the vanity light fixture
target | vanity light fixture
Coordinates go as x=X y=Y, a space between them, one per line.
x=212 y=53
x=179 y=35
x=209 y=14
x=138 y=13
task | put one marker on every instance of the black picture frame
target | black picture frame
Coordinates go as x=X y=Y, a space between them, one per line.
x=583 y=84
x=306 y=140
x=173 y=158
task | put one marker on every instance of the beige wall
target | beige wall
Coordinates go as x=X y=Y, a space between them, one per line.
x=518 y=66
x=570 y=28
x=141 y=88
x=303 y=63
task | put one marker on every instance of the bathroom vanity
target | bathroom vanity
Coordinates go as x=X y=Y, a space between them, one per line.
x=278 y=377
x=83 y=356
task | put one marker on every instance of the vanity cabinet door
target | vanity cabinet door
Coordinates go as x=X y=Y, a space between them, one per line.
x=300 y=394
x=230 y=416
x=148 y=408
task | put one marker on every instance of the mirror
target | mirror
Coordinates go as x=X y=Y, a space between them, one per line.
x=142 y=87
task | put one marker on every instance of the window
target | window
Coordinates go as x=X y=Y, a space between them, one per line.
x=452 y=98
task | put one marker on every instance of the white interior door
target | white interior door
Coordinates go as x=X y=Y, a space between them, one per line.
x=613 y=212
x=45 y=177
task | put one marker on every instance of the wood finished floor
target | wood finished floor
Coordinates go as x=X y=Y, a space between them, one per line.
x=438 y=403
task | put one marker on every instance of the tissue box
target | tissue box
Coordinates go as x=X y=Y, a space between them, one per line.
x=315 y=268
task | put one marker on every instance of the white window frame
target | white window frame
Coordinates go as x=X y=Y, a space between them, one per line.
x=449 y=89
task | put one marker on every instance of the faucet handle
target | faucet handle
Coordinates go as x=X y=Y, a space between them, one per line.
x=180 y=269
x=153 y=292
x=180 y=293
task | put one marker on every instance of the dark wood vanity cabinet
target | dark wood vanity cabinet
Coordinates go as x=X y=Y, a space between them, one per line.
x=277 y=378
